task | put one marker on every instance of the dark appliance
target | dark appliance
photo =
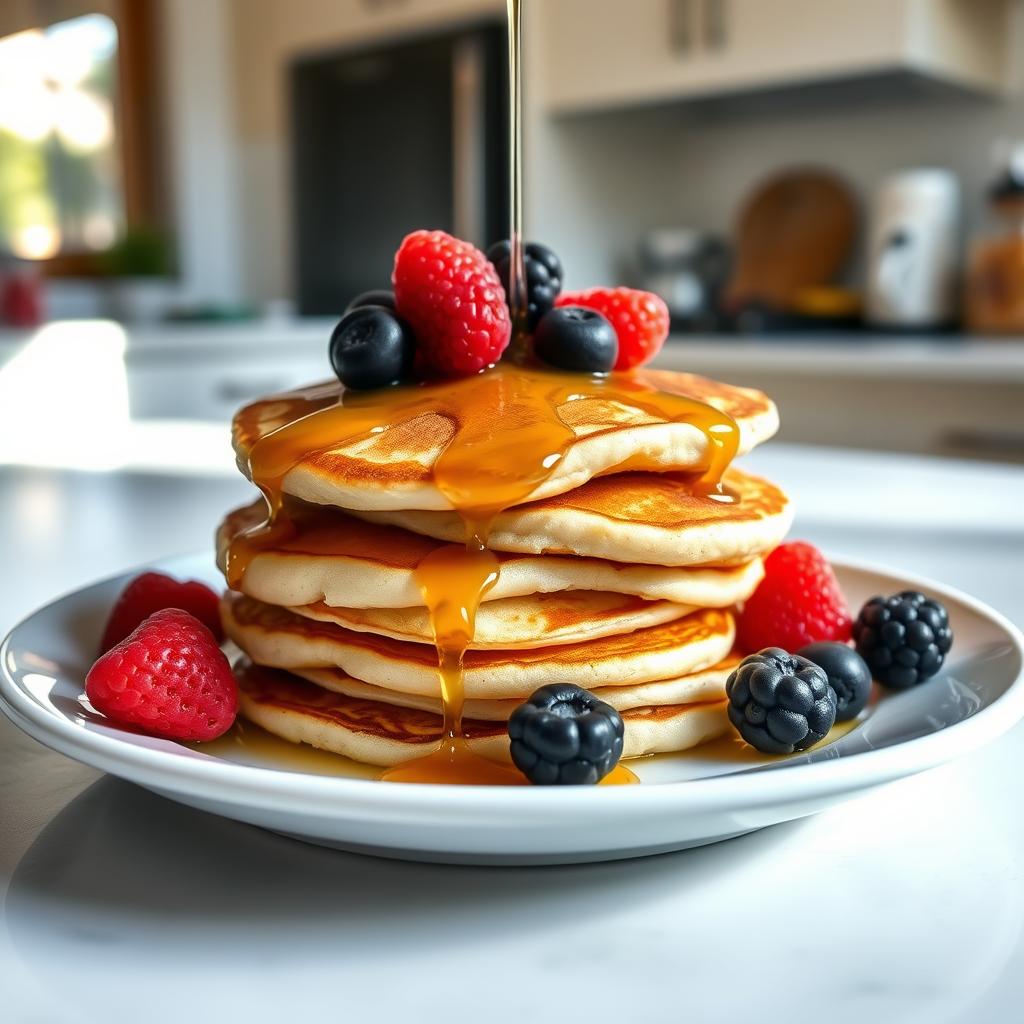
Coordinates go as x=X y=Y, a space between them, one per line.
x=392 y=138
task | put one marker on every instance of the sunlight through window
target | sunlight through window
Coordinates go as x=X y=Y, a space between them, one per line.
x=60 y=183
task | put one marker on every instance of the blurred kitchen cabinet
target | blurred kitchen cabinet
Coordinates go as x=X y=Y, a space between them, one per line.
x=893 y=393
x=215 y=394
x=606 y=53
x=207 y=373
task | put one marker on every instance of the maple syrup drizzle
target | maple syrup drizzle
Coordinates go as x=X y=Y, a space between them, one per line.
x=508 y=438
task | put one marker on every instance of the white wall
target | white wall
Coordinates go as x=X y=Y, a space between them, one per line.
x=199 y=89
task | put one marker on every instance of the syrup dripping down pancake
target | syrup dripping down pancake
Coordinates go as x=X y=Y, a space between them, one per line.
x=386 y=735
x=393 y=467
x=342 y=561
x=278 y=638
x=698 y=688
x=516 y=623
x=647 y=518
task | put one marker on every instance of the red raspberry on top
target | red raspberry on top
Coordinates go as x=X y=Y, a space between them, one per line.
x=451 y=295
x=640 y=319
x=168 y=678
x=798 y=602
x=153 y=591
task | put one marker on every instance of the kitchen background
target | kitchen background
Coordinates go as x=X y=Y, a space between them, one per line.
x=829 y=193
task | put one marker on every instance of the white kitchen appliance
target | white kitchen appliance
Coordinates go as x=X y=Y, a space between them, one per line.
x=913 y=250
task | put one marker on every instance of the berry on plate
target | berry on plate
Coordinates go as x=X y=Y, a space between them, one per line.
x=847 y=672
x=374 y=297
x=640 y=319
x=575 y=338
x=450 y=294
x=152 y=592
x=904 y=638
x=798 y=602
x=564 y=735
x=371 y=347
x=780 y=702
x=168 y=678
x=543 y=275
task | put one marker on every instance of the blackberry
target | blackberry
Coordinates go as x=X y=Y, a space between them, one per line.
x=564 y=735
x=574 y=338
x=848 y=674
x=543 y=275
x=904 y=638
x=371 y=347
x=780 y=702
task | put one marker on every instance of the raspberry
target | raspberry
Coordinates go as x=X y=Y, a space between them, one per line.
x=168 y=678
x=452 y=297
x=798 y=602
x=153 y=591
x=640 y=320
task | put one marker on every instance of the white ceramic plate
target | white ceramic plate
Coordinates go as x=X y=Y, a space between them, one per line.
x=705 y=795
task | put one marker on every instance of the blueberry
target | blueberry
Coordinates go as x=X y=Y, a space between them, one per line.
x=904 y=638
x=377 y=297
x=780 y=702
x=543 y=275
x=564 y=735
x=371 y=347
x=575 y=338
x=847 y=672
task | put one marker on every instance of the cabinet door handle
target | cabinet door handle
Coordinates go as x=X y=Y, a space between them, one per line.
x=715 y=24
x=681 y=28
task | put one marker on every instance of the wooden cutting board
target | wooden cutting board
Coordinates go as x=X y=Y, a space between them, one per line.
x=794 y=231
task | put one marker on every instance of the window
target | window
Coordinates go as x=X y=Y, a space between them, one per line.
x=80 y=138
x=60 y=174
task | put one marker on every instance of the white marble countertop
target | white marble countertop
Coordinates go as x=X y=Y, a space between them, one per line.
x=906 y=905
x=870 y=354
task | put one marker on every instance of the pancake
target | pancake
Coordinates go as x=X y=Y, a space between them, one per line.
x=393 y=467
x=648 y=518
x=343 y=561
x=385 y=735
x=279 y=638
x=698 y=688
x=541 y=620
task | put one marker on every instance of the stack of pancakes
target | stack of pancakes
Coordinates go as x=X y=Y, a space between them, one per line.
x=617 y=575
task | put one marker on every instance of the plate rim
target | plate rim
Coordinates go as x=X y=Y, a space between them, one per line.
x=318 y=795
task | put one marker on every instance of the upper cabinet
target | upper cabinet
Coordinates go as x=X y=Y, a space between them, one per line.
x=606 y=53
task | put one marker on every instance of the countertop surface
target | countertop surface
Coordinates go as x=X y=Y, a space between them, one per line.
x=868 y=354
x=905 y=905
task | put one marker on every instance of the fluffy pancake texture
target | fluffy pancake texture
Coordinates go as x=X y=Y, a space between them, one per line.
x=647 y=518
x=617 y=573
x=543 y=620
x=279 y=638
x=701 y=687
x=393 y=468
x=343 y=561
x=383 y=734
